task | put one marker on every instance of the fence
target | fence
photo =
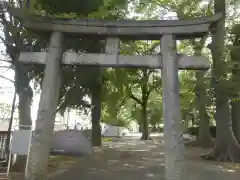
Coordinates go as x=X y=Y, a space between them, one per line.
x=3 y=138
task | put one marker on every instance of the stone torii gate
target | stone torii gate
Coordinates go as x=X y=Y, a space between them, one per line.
x=169 y=61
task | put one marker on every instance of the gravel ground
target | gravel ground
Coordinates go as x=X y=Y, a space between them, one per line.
x=139 y=160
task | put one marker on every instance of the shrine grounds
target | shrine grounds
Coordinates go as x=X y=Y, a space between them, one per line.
x=137 y=160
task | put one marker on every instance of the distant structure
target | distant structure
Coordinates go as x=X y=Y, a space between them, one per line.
x=73 y=119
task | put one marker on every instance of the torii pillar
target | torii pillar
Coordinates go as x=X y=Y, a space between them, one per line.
x=169 y=61
x=173 y=129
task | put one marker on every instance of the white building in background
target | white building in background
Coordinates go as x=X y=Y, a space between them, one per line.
x=73 y=119
x=134 y=126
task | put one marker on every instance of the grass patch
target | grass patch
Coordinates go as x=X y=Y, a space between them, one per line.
x=107 y=139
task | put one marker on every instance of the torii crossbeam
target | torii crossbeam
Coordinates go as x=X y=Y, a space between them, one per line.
x=169 y=61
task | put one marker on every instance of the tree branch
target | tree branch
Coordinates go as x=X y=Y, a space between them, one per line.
x=7 y=67
x=150 y=90
x=122 y=102
x=2 y=60
x=135 y=98
x=3 y=77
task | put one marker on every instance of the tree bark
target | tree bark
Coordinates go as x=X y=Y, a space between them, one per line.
x=42 y=137
x=235 y=113
x=140 y=127
x=235 y=89
x=96 y=115
x=25 y=122
x=25 y=95
x=185 y=125
x=226 y=147
x=144 y=104
x=145 y=133
x=204 y=138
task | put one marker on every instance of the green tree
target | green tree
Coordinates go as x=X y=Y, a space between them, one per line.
x=142 y=81
x=114 y=97
x=227 y=147
x=235 y=89
x=155 y=110
x=5 y=111
x=187 y=101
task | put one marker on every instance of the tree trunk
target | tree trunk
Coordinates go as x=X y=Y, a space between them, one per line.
x=25 y=101
x=145 y=133
x=43 y=134
x=96 y=115
x=193 y=120
x=144 y=104
x=140 y=127
x=226 y=147
x=235 y=113
x=25 y=122
x=204 y=136
x=185 y=130
x=235 y=89
x=25 y=95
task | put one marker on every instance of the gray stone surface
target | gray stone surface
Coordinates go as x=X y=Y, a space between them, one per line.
x=115 y=60
x=71 y=142
x=173 y=132
x=87 y=133
x=128 y=29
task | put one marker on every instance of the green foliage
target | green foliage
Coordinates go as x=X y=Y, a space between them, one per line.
x=73 y=9
x=184 y=9
x=155 y=108
x=114 y=96
x=128 y=89
x=77 y=82
x=5 y=111
x=187 y=81
x=78 y=7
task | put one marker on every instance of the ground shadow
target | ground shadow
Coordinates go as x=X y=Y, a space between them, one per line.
x=137 y=160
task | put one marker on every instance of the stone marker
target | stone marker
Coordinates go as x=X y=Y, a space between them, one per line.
x=70 y=142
